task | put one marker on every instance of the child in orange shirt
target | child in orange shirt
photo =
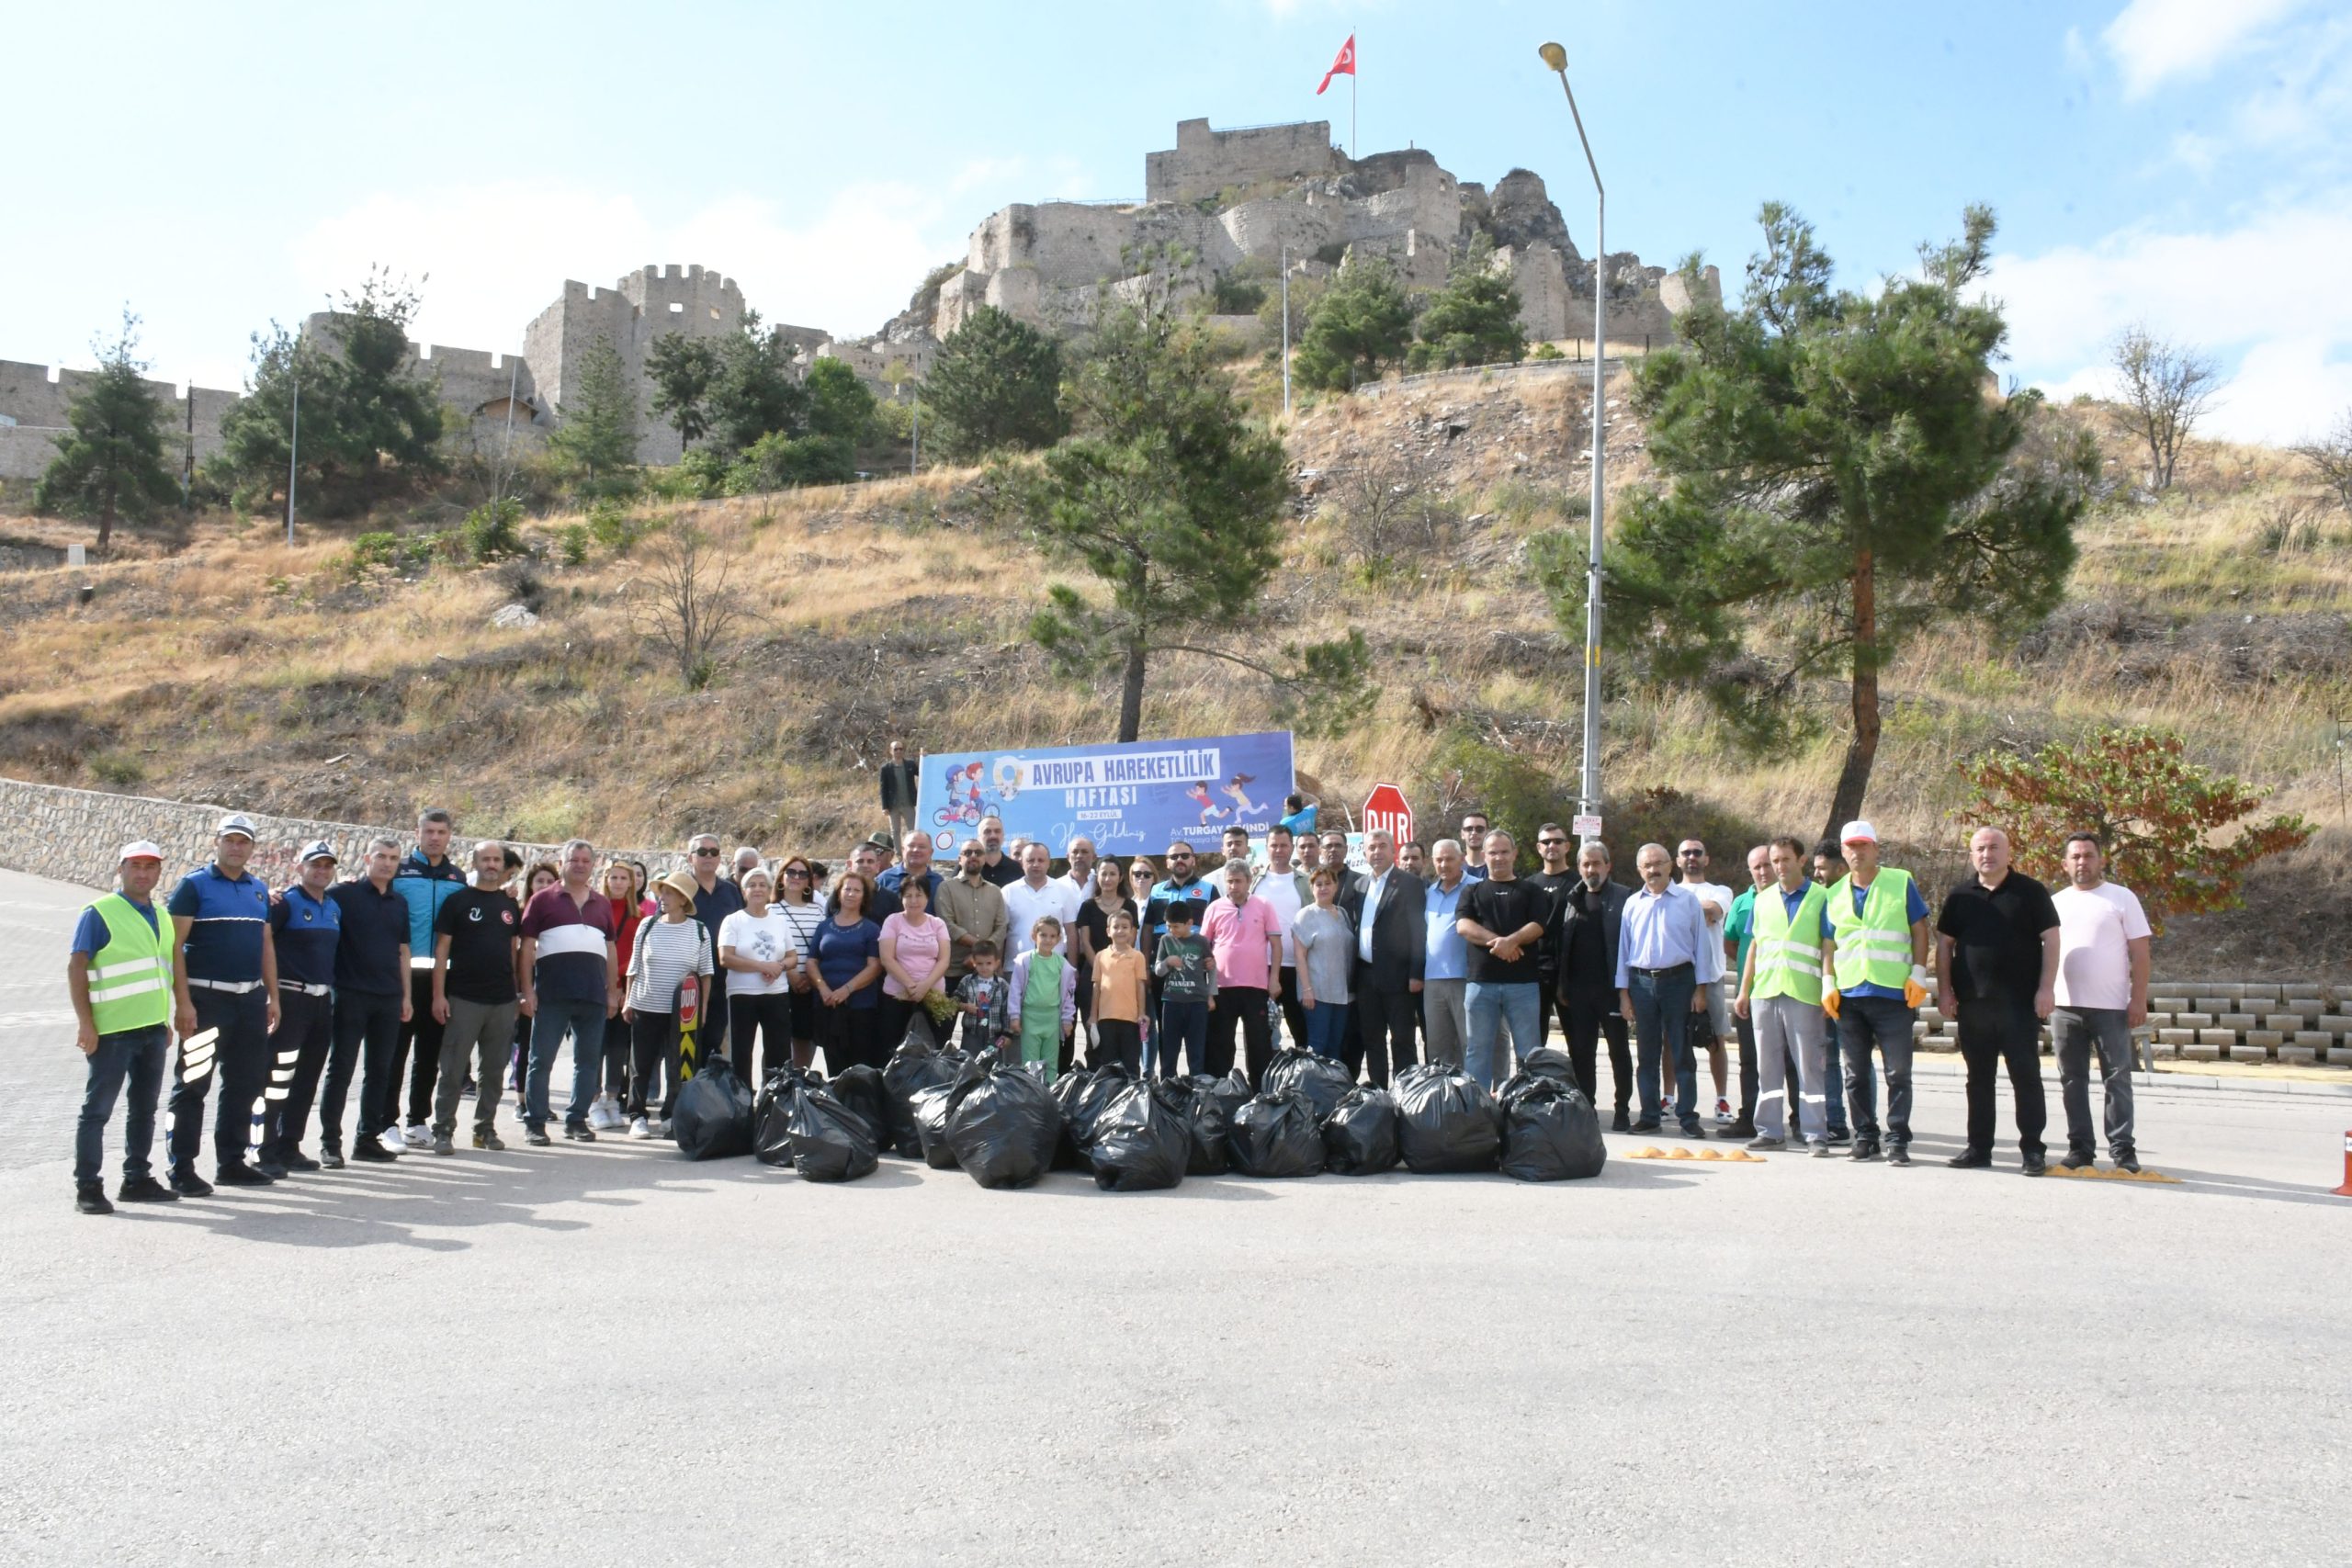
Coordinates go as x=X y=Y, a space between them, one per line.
x=1119 y=999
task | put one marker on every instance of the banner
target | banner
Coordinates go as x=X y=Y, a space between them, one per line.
x=1130 y=799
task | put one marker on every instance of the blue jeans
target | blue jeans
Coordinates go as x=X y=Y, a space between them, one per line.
x=139 y=1055
x=1327 y=1029
x=1185 y=1026
x=1662 y=1028
x=584 y=1021
x=1487 y=1009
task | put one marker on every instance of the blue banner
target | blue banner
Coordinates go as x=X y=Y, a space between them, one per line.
x=1130 y=799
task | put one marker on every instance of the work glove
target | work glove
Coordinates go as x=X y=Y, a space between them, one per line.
x=1829 y=1002
x=1914 y=989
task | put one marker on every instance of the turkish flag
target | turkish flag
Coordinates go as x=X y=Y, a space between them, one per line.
x=1343 y=66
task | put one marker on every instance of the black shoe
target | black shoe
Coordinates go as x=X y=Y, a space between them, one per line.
x=1839 y=1138
x=1898 y=1154
x=537 y=1138
x=187 y=1184
x=273 y=1168
x=90 y=1198
x=1970 y=1159
x=241 y=1175
x=145 y=1189
x=297 y=1160
x=2075 y=1160
x=578 y=1133
x=1740 y=1130
x=2128 y=1160
x=1864 y=1150
x=370 y=1152
x=1643 y=1127
x=2036 y=1165
x=330 y=1158
x=1621 y=1123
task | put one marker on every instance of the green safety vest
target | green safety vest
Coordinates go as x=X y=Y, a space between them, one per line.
x=1786 y=966
x=1873 y=947
x=131 y=976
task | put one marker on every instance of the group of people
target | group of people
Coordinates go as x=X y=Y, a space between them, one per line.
x=470 y=980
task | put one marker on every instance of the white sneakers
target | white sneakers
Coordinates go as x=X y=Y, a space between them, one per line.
x=604 y=1116
x=640 y=1128
x=390 y=1140
x=417 y=1137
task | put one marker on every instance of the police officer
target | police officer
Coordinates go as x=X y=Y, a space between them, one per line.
x=226 y=981
x=304 y=924
x=427 y=878
x=120 y=979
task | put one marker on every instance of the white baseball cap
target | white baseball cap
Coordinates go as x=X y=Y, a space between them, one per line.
x=1858 y=832
x=237 y=823
x=138 y=849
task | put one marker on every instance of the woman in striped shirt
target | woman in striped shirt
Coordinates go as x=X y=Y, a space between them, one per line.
x=667 y=950
x=796 y=902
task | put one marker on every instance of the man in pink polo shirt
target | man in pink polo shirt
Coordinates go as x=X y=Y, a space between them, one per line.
x=1245 y=937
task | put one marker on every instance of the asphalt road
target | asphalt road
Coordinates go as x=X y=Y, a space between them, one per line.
x=590 y=1353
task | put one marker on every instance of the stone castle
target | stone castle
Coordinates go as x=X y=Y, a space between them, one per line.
x=1220 y=207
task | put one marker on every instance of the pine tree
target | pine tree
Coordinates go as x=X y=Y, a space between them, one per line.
x=1361 y=325
x=995 y=386
x=598 y=435
x=1474 y=320
x=1840 y=475
x=1171 y=502
x=112 y=465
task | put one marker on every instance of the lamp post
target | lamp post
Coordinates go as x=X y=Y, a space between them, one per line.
x=1589 y=796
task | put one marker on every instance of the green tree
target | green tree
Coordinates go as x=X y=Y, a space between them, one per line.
x=1841 y=474
x=2157 y=815
x=1174 y=503
x=682 y=370
x=996 y=386
x=755 y=391
x=841 y=407
x=1474 y=320
x=111 y=465
x=369 y=421
x=598 y=435
x=1361 y=325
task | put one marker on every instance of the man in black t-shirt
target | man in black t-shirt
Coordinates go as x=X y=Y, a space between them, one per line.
x=1503 y=918
x=1558 y=878
x=1996 y=973
x=477 y=985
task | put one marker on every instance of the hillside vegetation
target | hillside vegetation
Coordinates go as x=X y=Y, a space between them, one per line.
x=236 y=669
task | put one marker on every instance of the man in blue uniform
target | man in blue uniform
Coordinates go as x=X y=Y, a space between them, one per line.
x=227 y=980
x=426 y=879
x=303 y=926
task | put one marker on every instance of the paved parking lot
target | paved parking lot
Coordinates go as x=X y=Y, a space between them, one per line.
x=604 y=1351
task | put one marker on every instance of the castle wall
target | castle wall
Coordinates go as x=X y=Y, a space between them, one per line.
x=1204 y=162
x=38 y=405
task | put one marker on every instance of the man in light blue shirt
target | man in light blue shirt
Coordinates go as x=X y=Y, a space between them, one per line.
x=1665 y=953
x=1445 y=980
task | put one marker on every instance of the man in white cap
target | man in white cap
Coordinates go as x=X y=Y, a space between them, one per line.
x=1877 y=955
x=304 y=927
x=119 y=976
x=226 y=982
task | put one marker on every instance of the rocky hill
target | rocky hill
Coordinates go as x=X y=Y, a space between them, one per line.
x=233 y=668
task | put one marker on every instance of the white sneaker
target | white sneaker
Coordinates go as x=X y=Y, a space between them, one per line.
x=662 y=1128
x=417 y=1137
x=602 y=1117
x=390 y=1140
x=640 y=1128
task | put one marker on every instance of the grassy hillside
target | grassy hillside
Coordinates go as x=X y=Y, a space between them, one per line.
x=236 y=669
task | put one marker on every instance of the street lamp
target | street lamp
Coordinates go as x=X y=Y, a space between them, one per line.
x=1589 y=801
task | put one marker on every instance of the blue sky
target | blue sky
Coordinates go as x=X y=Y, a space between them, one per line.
x=2185 y=162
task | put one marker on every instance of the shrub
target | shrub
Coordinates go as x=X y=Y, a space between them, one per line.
x=370 y=550
x=118 y=770
x=613 y=527
x=571 y=544
x=779 y=461
x=492 y=532
x=1547 y=351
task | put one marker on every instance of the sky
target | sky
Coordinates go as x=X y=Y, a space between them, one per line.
x=2185 y=165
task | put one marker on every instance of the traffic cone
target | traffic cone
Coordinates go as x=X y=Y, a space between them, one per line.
x=2346 y=1191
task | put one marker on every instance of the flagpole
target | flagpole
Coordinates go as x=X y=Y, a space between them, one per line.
x=1355 y=54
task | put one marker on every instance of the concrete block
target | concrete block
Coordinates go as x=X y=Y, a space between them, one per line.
x=2260 y=993
x=2248 y=1052
x=2192 y=1021
x=2175 y=1037
x=2201 y=1052
x=2215 y=1004
x=1929 y=1016
x=2224 y=1038
x=2240 y=1021
x=2289 y=1021
x=2296 y=1057
x=2269 y=1039
x=2313 y=1039
x=2337 y=1024
x=2168 y=1004
x=2301 y=989
x=2159 y=1020
x=2310 y=1009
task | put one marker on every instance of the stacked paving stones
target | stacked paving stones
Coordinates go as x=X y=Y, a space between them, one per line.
x=2224 y=1021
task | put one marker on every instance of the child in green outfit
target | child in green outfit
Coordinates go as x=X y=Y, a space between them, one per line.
x=1045 y=995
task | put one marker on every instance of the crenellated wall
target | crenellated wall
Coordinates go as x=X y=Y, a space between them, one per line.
x=34 y=400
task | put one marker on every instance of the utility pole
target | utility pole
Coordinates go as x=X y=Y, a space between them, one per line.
x=1286 y=327
x=506 y=452
x=914 y=441
x=293 y=446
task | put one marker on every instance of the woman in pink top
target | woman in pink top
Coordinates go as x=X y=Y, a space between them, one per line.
x=1245 y=937
x=914 y=960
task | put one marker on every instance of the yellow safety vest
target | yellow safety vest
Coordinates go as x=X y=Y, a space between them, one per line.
x=1786 y=966
x=1873 y=947
x=131 y=976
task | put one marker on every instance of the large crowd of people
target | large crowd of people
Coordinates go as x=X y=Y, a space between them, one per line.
x=466 y=979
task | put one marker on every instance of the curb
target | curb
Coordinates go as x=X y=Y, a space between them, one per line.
x=2143 y=1081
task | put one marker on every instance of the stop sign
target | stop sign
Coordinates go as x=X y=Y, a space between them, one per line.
x=1385 y=810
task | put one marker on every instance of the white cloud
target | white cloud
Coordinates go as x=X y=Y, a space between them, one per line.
x=2154 y=41
x=2255 y=296
x=497 y=255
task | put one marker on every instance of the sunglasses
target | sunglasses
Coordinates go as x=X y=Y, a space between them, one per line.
x=1548 y=843
x=701 y=854
x=1694 y=854
x=795 y=871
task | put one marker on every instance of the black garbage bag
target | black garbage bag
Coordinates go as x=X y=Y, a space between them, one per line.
x=1550 y=1131
x=1274 y=1136
x=1142 y=1141
x=1360 y=1135
x=712 y=1118
x=1001 y=1123
x=917 y=1063
x=1447 y=1120
x=1322 y=1080
x=861 y=1089
x=1083 y=1097
x=1545 y=1063
x=930 y=1110
x=806 y=1125
x=1231 y=1092
x=1204 y=1117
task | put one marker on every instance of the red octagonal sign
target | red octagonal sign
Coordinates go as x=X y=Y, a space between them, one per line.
x=1384 y=810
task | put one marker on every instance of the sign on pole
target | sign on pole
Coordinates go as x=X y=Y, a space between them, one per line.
x=1586 y=828
x=1385 y=809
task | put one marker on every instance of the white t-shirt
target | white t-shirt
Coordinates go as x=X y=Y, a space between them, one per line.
x=1282 y=891
x=1025 y=906
x=2095 y=929
x=767 y=939
x=1715 y=892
